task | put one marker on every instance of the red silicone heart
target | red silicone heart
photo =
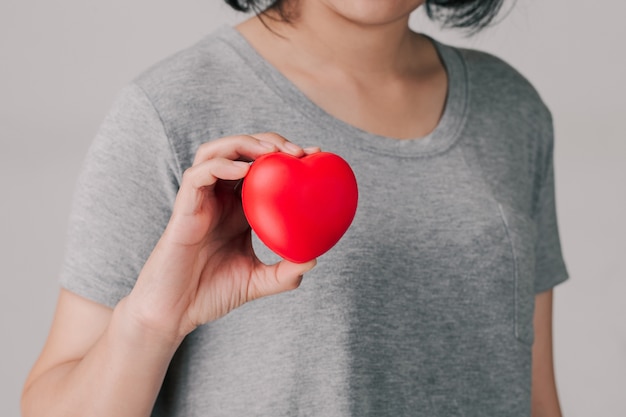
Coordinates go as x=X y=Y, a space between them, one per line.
x=300 y=207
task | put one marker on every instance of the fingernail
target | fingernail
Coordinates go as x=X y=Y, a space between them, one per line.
x=311 y=265
x=312 y=149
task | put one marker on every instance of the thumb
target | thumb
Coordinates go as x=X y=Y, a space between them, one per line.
x=280 y=277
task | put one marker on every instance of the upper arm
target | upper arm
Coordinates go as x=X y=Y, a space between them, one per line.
x=78 y=323
x=545 y=402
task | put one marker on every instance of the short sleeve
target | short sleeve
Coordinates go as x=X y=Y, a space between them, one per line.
x=549 y=263
x=122 y=202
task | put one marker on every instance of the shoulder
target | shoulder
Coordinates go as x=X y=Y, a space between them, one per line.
x=500 y=101
x=488 y=70
x=507 y=131
x=209 y=64
x=494 y=84
x=197 y=91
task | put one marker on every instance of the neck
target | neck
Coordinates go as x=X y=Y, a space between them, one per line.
x=361 y=64
x=319 y=37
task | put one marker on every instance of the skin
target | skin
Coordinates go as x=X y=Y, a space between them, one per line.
x=544 y=397
x=356 y=59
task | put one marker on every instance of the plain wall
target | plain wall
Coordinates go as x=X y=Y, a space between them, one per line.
x=63 y=62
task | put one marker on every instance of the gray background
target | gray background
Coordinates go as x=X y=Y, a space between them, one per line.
x=63 y=62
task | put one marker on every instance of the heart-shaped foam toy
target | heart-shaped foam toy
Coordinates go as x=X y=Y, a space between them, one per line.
x=300 y=207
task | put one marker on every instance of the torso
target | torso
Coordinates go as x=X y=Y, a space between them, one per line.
x=423 y=308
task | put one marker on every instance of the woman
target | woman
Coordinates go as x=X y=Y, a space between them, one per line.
x=436 y=302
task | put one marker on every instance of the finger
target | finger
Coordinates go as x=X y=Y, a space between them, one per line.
x=201 y=178
x=283 y=144
x=234 y=147
x=311 y=150
x=280 y=277
x=207 y=173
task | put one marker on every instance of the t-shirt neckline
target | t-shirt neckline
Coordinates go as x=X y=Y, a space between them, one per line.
x=439 y=140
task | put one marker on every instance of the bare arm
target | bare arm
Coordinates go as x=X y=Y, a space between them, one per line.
x=545 y=401
x=96 y=362
x=100 y=362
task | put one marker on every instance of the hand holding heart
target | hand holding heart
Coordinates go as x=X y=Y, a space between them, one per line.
x=204 y=265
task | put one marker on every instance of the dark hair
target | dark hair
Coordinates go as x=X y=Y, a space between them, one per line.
x=466 y=14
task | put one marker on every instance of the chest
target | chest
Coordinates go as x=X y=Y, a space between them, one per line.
x=403 y=109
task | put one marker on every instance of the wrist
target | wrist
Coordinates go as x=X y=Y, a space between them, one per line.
x=147 y=328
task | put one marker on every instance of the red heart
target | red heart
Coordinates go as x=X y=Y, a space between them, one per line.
x=300 y=207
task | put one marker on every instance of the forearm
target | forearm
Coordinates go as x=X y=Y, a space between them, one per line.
x=119 y=376
x=545 y=400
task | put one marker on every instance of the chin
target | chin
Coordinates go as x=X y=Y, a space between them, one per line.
x=373 y=12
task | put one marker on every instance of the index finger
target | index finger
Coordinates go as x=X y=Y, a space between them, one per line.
x=234 y=148
x=246 y=147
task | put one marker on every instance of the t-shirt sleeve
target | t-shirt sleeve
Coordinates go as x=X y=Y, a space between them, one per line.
x=549 y=263
x=122 y=202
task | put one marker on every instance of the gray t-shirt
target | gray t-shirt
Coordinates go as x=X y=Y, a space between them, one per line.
x=425 y=306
